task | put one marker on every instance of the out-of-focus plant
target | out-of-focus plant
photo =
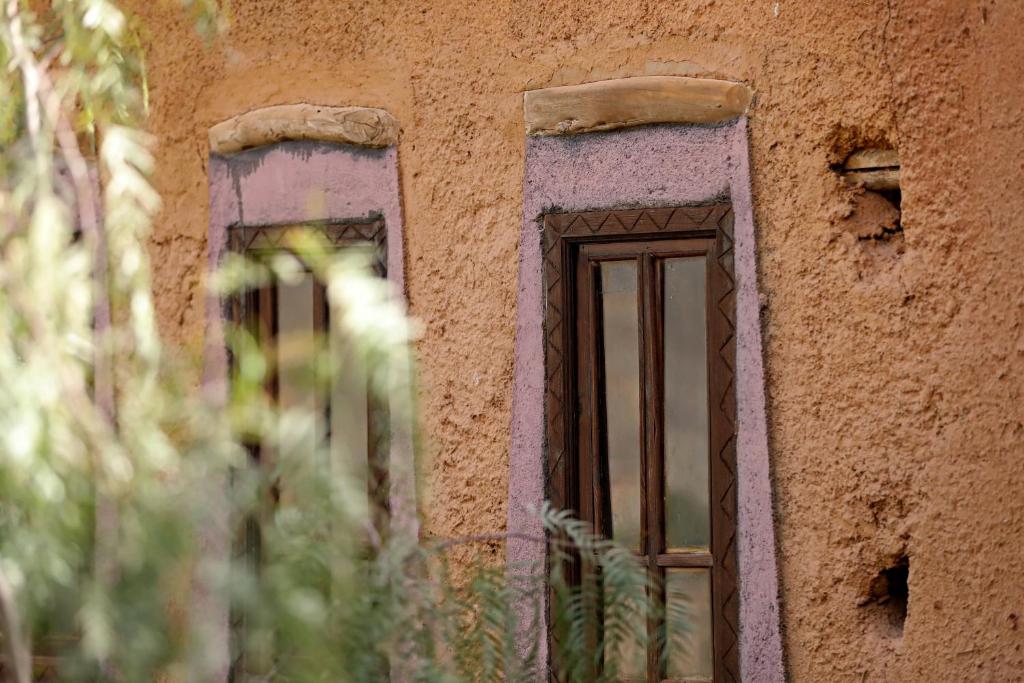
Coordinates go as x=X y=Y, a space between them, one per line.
x=121 y=484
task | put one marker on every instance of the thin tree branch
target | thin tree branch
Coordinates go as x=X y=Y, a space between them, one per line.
x=29 y=75
x=16 y=649
x=86 y=192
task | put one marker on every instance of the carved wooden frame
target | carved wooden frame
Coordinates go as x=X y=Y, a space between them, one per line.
x=267 y=239
x=561 y=237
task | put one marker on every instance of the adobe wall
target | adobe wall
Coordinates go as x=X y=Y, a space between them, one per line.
x=894 y=367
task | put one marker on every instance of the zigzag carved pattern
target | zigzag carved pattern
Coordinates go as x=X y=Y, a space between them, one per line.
x=554 y=363
x=684 y=219
x=727 y=580
x=269 y=238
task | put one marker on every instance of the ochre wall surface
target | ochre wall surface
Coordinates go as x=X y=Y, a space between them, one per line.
x=895 y=367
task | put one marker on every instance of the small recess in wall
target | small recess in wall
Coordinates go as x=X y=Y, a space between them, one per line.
x=877 y=171
x=888 y=595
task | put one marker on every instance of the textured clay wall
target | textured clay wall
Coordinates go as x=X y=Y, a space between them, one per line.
x=895 y=366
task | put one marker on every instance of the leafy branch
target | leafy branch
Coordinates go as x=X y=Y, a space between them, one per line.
x=114 y=468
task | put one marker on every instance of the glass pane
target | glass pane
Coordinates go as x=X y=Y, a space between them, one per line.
x=628 y=653
x=689 y=638
x=296 y=342
x=296 y=349
x=621 y=337
x=349 y=418
x=687 y=506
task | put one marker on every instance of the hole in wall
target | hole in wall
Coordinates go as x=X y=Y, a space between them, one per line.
x=888 y=596
x=877 y=171
x=841 y=142
x=895 y=199
x=867 y=163
x=874 y=217
x=868 y=168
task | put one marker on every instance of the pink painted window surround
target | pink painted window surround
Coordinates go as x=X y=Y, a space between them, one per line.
x=311 y=182
x=306 y=183
x=652 y=166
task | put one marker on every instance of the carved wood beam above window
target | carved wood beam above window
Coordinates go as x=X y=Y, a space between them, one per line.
x=363 y=126
x=625 y=102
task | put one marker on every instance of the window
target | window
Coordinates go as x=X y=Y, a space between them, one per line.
x=641 y=410
x=290 y=320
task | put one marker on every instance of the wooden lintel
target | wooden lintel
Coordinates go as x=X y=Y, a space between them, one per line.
x=620 y=103
x=875 y=179
x=363 y=126
x=872 y=159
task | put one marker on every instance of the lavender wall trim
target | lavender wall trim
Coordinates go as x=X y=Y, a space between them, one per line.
x=652 y=166
x=302 y=181
x=307 y=181
x=293 y=182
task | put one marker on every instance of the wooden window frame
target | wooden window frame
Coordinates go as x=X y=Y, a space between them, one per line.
x=264 y=241
x=245 y=311
x=704 y=229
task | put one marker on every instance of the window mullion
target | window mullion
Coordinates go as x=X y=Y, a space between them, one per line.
x=267 y=307
x=650 y=374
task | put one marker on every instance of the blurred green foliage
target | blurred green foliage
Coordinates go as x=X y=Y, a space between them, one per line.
x=123 y=488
